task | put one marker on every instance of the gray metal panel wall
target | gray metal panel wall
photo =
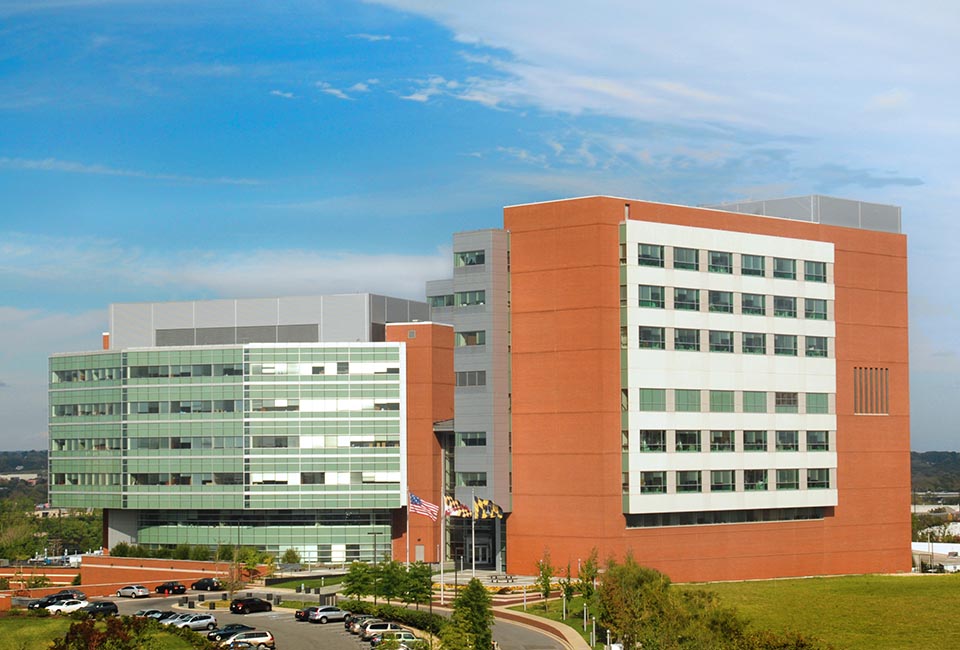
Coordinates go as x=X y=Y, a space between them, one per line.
x=173 y=315
x=378 y=309
x=257 y=311
x=296 y=310
x=839 y=212
x=215 y=313
x=216 y=335
x=257 y=334
x=398 y=311
x=174 y=337
x=131 y=325
x=345 y=318
x=417 y=311
x=298 y=333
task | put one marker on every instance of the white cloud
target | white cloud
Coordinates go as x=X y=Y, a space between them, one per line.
x=330 y=90
x=280 y=93
x=72 y=167
x=373 y=38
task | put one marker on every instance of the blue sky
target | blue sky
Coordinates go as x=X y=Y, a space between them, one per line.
x=178 y=150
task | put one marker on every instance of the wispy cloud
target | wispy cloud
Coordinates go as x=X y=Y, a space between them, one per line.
x=832 y=177
x=330 y=90
x=73 y=167
x=373 y=38
x=280 y=93
x=430 y=87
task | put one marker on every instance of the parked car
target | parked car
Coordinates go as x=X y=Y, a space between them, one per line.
x=133 y=591
x=173 y=620
x=102 y=608
x=328 y=613
x=355 y=619
x=198 y=622
x=171 y=588
x=46 y=601
x=255 y=639
x=72 y=593
x=207 y=584
x=228 y=631
x=374 y=629
x=147 y=613
x=67 y=606
x=358 y=625
x=402 y=636
x=304 y=614
x=250 y=605
x=163 y=616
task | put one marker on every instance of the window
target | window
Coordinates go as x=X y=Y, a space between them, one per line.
x=651 y=296
x=686 y=299
x=815 y=309
x=686 y=339
x=466 y=339
x=785 y=345
x=815 y=346
x=653 y=440
x=472 y=378
x=753 y=304
x=818 y=479
x=815 y=271
x=471 y=438
x=623 y=296
x=343 y=367
x=312 y=478
x=721 y=301
x=818 y=403
x=650 y=255
x=720 y=262
x=624 y=440
x=818 y=441
x=625 y=482
x=754 y=343
x=721 y=341
x=624 y=337
x=752 y=265
x=754 y=401
x=783 y=268
x=721 y=401
x=688 y=481
x=469 y=298
x=651 y=338
x=624 y=400
x=788 y=479
x=686 y=401
x=471 y=479
x=653 y=482
x=721 y=441
x=688 y=441
x=788 y=441
x=686 y=258
x=653 y=399
x=754 y=479
x=754 y=440
x=785 y=402
x=468 y=258
x=785 y=306
x=440 y=301
x=722 y=480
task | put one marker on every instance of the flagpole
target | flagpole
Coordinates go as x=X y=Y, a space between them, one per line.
x=443 y=542
x=473 y=535
x=408 y=528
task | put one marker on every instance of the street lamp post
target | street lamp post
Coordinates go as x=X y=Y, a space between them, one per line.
x=375 y=534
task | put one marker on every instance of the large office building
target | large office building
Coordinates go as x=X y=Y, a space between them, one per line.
x=278 y=423
x=720 y=391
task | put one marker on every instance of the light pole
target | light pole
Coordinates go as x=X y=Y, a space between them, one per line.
x=375 y=534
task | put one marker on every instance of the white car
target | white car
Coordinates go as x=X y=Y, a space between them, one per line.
x=67 y=606
x=133 y=591
x=176 y=620
x=198 y=622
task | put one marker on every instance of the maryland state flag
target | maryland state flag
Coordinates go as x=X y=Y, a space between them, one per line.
x=486 y=509
x=453 y=508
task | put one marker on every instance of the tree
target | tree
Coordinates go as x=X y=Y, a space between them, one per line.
x=418 y=586
x=358 y=581
x=182 y=552
x=473 y=613
x=391 y=578
x=589 y=571
x=566 y=587
x=225 y=553
x=545 y=572
x=122 y=549
x=453 y=636
x=201 y=553
x=633 y=603
x=290 y=556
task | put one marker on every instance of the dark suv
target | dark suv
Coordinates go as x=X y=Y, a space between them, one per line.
x=207 y=584
x=48 y=600
x=171 y=588
x=101 y=608
x=249 y=605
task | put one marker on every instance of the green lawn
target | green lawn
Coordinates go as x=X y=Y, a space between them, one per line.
x=854 y=612
x=554 y=612
x=313 y=583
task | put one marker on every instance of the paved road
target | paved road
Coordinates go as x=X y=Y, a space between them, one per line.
x=295 y=635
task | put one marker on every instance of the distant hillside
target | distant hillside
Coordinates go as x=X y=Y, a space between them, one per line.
x=27 y=461
x=935 y=471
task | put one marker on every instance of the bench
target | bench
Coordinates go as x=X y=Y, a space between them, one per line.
x=503 y=578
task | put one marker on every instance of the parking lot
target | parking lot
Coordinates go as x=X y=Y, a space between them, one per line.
x=296 y=635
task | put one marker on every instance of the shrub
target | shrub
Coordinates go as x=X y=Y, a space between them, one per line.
x=421 y=620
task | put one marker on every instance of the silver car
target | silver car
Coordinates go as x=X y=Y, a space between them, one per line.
x=198 y=622
x=133 y=591
x=328 y=613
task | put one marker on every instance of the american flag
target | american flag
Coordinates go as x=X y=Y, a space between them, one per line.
x=425 y=508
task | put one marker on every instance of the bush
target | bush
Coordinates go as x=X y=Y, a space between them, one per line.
x=201 y=553
x=421 y=620
x=76 y=580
